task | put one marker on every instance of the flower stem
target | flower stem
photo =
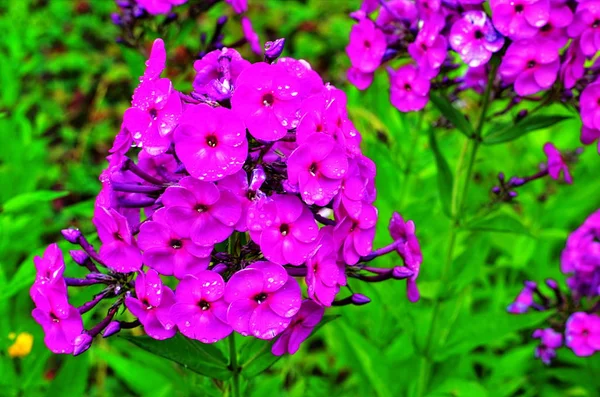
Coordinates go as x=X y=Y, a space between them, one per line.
x=233 y=365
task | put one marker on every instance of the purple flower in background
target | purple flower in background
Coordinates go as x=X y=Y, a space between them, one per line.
x=317 y=168
x=118 y=250
x=474 y=38
x=531 y=65
x=556 y=164
x=262 y=299
x=152 y=305
x=156 y=7
x=590 y=106
x=586 y=26
x=589 y=135
x=267 y=99
x=200 y=211
x=475 y=79
x=520 y=19
x=550 y=340
x=211 y=142
x=200 y=312
x=324 y=274
x=524 y=300
x=582 y=334
x=61 y=326
x=167 y=252
x=429 y=48
x=251 y=36
x=409 y=90
x=217 y=73
x=355 y=236
x=410 y=250
x=573 y=67
x=398 y=11
x=302 y=325
x=155 y=110
x=367 y=46
x=239 y=6
x=361 y=80
x=284 y=228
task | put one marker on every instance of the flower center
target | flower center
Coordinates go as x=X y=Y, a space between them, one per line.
x=319 y=128
x=407 y=87
x=546 y=28
x=585 y=332
x=478 y=34
x=201 y=208
x=204 y=305
x=268 y=99
x=531 y=64
x=596 y=23
x=211 y=141
x=424 y=46
x=260 y=298
x=54 y=318
x=153 y=113
x=176 y=244
x=313 y=169
x=367 y=44
x=519 y=8
x=117 y=236
x=284 y=229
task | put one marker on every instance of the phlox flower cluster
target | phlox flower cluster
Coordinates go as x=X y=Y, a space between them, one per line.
x=543 y=51
x=575 y=321
x=244 y=206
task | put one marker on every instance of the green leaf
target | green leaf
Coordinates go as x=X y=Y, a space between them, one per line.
x=370 y=366
x=256 y=356
x=25 y=200
x=501 y=223
x=525 y=126
x=201 y=358
x=72 y=377
x=454 y=116
x=444 y=175
x=457 y=387
x=483 y=329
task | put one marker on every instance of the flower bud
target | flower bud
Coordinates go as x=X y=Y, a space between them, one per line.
x=112 y=328
x=80 y=257
x=273 y=49
x=401 y=272
x=360 y=299
x=82 y=343
x=71 y=235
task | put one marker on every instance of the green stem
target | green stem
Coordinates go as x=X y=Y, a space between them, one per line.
x=233 y=364
x=458 y=201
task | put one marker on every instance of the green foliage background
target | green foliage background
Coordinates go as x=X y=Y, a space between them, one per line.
x=64 y=84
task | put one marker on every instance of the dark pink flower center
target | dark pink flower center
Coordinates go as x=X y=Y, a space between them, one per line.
x=319 y=128
x=585 y=332
x=54 y=318
x=284 y=229
x=176 y=244
x=546 y=28
x=407 y=87
x=153 y=113
x=478 y=34
x=204 y=305
x=268 y=99
x=201 y=208
x=313 y=169
x=596 y=23
x=212 y=141
x=519 y=8
x=260 y=298
x=117 y=236
x=367 y=44
x=424 y=46
x=531 y=64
